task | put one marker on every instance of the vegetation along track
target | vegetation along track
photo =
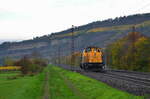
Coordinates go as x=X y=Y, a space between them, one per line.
x=135 y=83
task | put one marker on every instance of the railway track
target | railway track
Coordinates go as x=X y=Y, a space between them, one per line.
x=135 y=83
x=133 y=73
x=136 y=79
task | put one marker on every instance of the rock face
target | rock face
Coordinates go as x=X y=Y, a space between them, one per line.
x=100 y=33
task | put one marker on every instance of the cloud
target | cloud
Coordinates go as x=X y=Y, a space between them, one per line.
x=72 y=3
x=10 y=15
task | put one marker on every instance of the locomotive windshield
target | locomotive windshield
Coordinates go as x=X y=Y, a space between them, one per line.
x=88 y=50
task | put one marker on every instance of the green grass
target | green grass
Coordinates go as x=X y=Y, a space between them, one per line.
x=58 y=87
x=85 y=86
x=63 y=84
x=21 y=88
x=4 y=75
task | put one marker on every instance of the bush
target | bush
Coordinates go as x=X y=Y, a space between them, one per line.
x=40 y=61
x=31 y=66
x=11 y=77
x=8 y=61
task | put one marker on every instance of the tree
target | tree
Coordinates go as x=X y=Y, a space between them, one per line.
x=130 y=53
x=8 y=61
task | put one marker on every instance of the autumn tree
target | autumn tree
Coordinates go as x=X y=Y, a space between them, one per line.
x=130 y=53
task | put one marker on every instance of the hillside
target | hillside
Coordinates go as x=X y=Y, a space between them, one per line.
x=99 y=33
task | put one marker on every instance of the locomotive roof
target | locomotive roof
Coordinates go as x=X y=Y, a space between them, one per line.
x=91 y=47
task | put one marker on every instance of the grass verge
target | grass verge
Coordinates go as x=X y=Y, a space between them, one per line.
x=81 y=85
x=58 y=87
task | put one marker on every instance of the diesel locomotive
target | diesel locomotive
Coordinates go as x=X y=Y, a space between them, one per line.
x=92 y=59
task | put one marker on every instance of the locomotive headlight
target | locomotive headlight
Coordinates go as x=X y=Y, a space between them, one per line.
x=103 y=67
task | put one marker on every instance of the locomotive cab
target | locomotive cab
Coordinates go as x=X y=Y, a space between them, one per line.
x=92 y=59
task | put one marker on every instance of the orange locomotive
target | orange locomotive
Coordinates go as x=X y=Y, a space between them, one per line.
x=92 y=58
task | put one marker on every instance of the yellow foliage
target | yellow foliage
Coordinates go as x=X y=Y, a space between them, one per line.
x=67 y=34
x=140 y=40
x=98 y=29
x=121 y=27
x=101 y=29
x=10 y=67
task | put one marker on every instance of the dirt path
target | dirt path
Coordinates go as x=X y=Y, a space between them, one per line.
x=46 y=87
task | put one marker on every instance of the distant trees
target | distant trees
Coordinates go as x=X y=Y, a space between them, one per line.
x=130 y=53
x=8 y=61
x=67 y=59
x=25 y=64
x=31 y=65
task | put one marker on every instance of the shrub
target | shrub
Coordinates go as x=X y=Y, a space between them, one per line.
x=31 y=66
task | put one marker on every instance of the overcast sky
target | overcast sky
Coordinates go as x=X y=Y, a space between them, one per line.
x=25 y=19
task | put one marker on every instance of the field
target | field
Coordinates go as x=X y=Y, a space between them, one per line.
x=21 y=88
x=59 y=84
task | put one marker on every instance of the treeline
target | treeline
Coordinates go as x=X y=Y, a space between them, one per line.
x=71 y=60
x=130 y=53
x=30 y=64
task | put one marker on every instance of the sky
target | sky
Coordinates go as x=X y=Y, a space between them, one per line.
x=25 y=19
